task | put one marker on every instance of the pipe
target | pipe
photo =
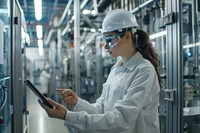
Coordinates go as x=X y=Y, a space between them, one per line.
x=4 y=78
x=95 y=6
x=54 y=6
x=65 y=12
x=4 y=97
x=103 y=4
x=88 y=21
x=65 y=29
x=77 y=45
x=83 y=4
x=137 y=9
x=122 y=4
x=59 y=22
x=49 y=36
x=68 y=25
x=195 y=35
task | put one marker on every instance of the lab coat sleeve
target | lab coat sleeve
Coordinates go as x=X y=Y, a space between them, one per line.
x=83 y=105
x=94 y=108
x=125 y=111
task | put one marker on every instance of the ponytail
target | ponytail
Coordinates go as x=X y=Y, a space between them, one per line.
x=144 y=46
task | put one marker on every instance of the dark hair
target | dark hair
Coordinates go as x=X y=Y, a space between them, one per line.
x=145 y=47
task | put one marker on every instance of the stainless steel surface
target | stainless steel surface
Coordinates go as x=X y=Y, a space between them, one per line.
x=191 y=111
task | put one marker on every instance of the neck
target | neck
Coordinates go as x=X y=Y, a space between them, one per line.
x=127 y=56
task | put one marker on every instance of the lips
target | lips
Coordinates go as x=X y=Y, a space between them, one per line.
x=108 y=51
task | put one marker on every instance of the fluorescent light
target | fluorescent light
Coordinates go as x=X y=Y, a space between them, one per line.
x=86 y=12
x=159 y=34
x=191 y=45
x=40 y=47
x=40 y=43
x=93 y=30
x=39 y=31
x=38 y=9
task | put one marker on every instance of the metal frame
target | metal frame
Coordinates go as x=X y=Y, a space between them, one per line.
x=16 y=68
x=174 y=68
x=77 y=45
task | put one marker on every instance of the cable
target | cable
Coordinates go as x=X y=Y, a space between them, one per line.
x=4 y=96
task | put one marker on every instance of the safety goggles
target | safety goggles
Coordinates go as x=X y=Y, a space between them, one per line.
x=112 y=40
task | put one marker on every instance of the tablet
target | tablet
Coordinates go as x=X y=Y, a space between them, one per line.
x=39 y=95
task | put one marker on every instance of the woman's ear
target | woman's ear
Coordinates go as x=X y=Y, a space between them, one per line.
x=127 y=35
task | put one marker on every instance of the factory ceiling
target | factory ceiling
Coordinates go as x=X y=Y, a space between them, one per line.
x=52 y=8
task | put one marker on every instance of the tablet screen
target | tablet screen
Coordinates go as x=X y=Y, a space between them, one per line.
x=36 y=92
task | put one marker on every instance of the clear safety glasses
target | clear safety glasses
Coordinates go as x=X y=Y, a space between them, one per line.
x=112 y=40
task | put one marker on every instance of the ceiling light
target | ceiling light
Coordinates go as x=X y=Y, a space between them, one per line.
x=38 y=9
x=39 y=31
x=40 y=43
x=159 y=34
x=94 y=13
x=86 y=12
x=93 y=30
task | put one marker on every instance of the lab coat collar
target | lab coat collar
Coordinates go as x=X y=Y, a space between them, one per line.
x=131 y=63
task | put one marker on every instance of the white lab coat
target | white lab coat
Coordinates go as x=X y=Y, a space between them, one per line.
x=128 y=104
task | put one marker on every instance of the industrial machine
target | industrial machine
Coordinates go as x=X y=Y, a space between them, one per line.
x=77 y=60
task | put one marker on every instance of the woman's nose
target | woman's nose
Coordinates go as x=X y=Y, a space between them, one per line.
x=106 y=46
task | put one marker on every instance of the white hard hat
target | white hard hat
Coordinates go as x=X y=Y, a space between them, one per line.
x=117 y=20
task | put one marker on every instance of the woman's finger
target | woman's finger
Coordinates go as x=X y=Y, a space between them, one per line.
x=66 y=93
x=68 y=99
x=60 y=90
x=57 y=105
x=43 y=105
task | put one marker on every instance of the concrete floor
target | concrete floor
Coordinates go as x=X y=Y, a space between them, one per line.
x=38 y=121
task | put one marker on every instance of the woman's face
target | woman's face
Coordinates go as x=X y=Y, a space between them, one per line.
x=114 y=44
x=122 y=44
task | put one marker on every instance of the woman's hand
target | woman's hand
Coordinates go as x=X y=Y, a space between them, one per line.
x=69 y=96
x=58 y=111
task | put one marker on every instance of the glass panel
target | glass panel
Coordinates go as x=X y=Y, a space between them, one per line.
x=157 y=31
x=191 y=84
x=161 y=50
x=5 y=64
x=5 y=38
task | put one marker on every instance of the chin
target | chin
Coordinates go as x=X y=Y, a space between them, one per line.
x=114 y=56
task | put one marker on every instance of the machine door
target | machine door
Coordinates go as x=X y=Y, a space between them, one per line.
x=5 y=89
x=19 y=107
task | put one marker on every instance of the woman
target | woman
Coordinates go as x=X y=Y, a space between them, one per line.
x=130 y=96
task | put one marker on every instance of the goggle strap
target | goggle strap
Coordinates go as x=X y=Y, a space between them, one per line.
x=134 y=30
